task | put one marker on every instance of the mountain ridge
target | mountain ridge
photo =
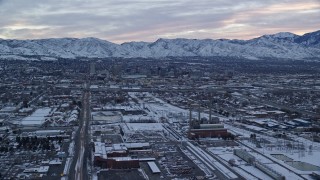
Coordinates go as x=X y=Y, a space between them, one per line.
x=280 y=45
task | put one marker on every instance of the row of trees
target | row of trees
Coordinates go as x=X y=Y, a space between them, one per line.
x=35 y=143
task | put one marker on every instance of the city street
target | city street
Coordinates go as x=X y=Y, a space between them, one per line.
x=78 y=170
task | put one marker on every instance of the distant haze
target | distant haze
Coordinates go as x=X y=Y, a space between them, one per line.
x=147 y=20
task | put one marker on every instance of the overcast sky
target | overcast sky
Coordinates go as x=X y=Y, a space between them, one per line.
x=147 y=20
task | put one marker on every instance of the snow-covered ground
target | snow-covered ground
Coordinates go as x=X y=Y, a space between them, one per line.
x=247 y=170
x=157 y=109
x=307 y=155
x=144 y=126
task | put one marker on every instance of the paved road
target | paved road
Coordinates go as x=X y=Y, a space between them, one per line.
x=81 y=166
x=156 y=90
x=78 y=170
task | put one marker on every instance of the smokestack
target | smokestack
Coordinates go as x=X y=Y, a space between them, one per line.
x=190 y=118
x=210 y=109
x=199 y=114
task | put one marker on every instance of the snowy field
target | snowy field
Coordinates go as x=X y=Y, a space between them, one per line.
x=307 y=155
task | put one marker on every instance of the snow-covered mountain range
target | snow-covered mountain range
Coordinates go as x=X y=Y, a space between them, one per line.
x=281 y=45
